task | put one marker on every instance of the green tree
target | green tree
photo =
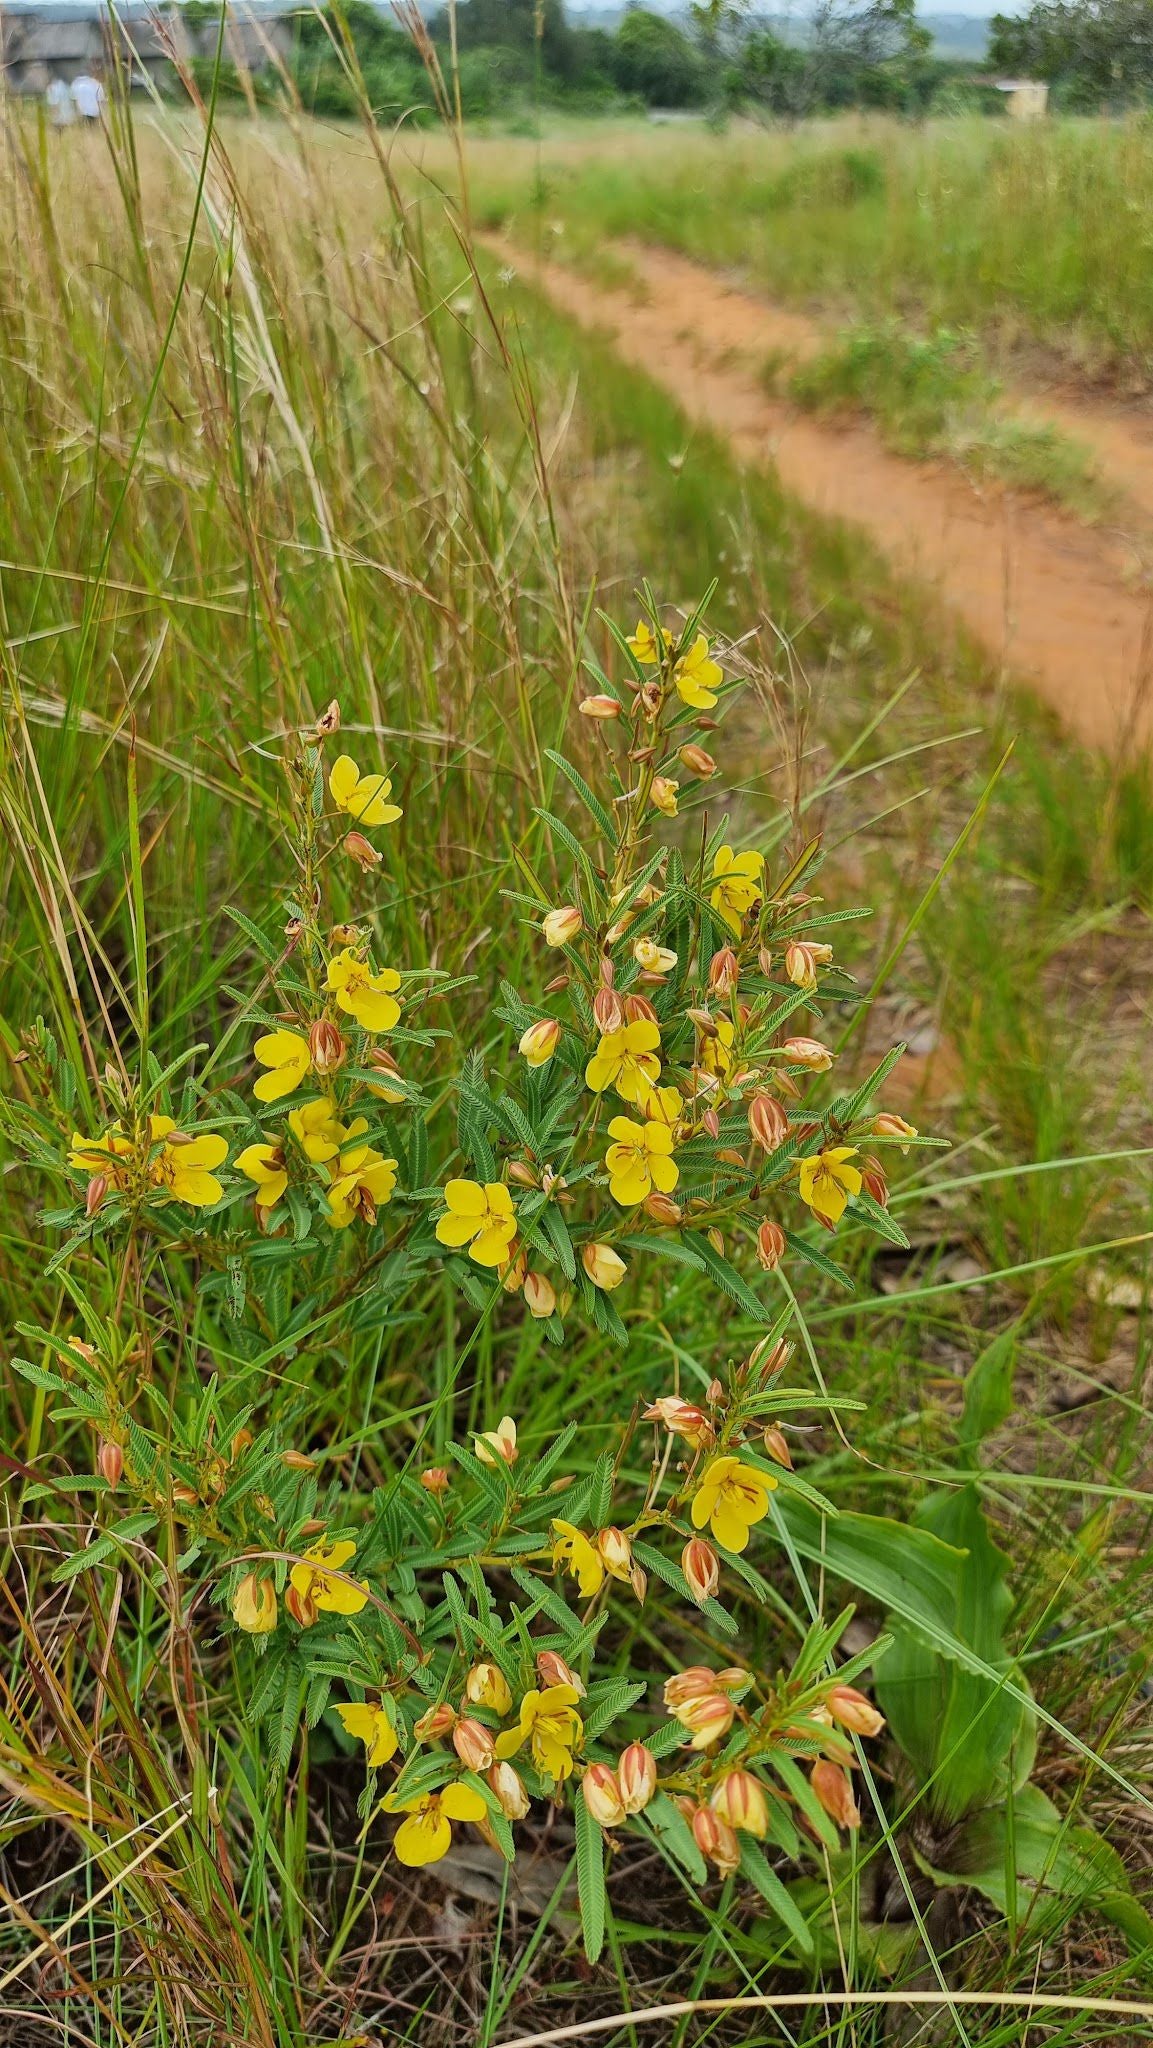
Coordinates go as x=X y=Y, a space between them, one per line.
x=654 y=59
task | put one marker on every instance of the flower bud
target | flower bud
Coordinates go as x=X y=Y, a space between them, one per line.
x=362 y=851
x=853 y=1710
x=95 y=1192
x=540 y=1041
x=110 y=1463
x=716 y=1840
x=767 y=1358
x=551 y=1669
x=873 y=1180
x=740 y=1799
x=637 y=1777
x=254 y=1605
x=711 y=1122
x=724 y=972
x=639 y=1581
x=691 y=1684
x=435 y=1479
x=707 y=1719
x=701 y=1567
x=302 y=1607
x=435 y=1723
x=776 y=1446
x=835 y=1793
x=511 y=1795
x=616 y=1552
x=802 y=960
x=662 y=1208
x=887 y=1125
x=472 y=1742
x=697 y=761
x=608 y=1011
x=560 y=927
x=716 y=1238
x=602 y=1795
x=522 y=1174
x=540 y=1296
x=599 y=707
x=684 y=1419
x=771 y=1245
x=768 y=1123
x=381 y=1061
x=326 y=1045
x=765 y=961
x=638 y=1010
x=487 y=1686
x=605 y=1268
x=808 y=1053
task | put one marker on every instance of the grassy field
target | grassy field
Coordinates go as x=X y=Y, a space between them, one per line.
x=274 y=439
x=1023 y=234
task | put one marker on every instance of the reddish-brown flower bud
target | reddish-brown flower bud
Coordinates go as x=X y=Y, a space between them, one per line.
x=873 y=1180
x=767 y=1358
x=637 y=1777
x=768 y=1123
x=298 y=1461
x=697 y=761
x=326 y=1045
x=560 y=927
x=435 y=1479
x=701 y=1567
x=95 y=1192
x=888 y=1125
x=302 y=1607
x=539 y=1296
x=716 y=1840
x=362 y=851
x=551 y=1669
x=764 y=961
x=662 y=1208
x=776 y=1446
x=703 y=1021
x=602 y=707
x=602 y=1795
x=254 y=1605
x=639 y=1581
x=724 y=971
x=771 y=1245
x=110 y=1463
x=638 y=1010
x=711 y=1122
x=808 y=1053
x=472 y=1742
x=435 y=1723
x=511 y=1795
x=708 y=1719
x=608 y=1010
x=835 y=1793
x=740 y=1799
x=853 y=1710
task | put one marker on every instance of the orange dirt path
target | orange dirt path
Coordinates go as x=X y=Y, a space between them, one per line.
x=1058 y=604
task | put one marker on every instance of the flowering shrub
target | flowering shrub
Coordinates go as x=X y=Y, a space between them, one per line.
x=659 y=1106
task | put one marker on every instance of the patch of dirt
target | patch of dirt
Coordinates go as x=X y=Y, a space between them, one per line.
x=1061 y=606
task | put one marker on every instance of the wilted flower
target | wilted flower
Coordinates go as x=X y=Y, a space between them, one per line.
x=362 y=851
x=364 y=797
x=483 y=1218
x=701 y=1567
x=601 y=707
x=605 y=1268
x=580 y=1557
x=425 y=1836
x=509 y=1788
x=540 y=1041
x=888 y=1125
x=487 y=1686
x=731 y=1498
x=435 y=1479
x=684 y=1419
x=254 y=1605
x=663 y=792
x=637 y=1777
x=549 y=1722
x=602 y=1795
x=561 y=927
x=498 y=1446
x=802 y=960
x=374 y=1726
x=835 y=1793
x=827 y=1181
x=873 y=1180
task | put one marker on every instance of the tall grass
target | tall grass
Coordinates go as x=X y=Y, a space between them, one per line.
x=264 y=448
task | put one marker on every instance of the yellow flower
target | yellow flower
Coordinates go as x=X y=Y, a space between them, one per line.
x=663 y=792
x=483 y=1218
x=184 y=1163
x=716 y=1053
x=487 y=1686
x=662 y=1106
x=640 y=1160
x=827 y=1181
x=698 y=677
x=100 y=1155
x=737 y=881
x=605 y=1268
x=498 y=1446
x=645 y=645
x=731 y=1498
x=314 y=1580
x=373 y=1726
x=580 y=1557
x=425 y=1836
x=264 y=1164
x=653 y=958
x=286 y=1055
x=364 y=797
x=254 y=1605
x=627 y=1060
x=317 y=1129
x=540 y=1041
x=550 y=1723
x=368 y=997
x=361 y=1182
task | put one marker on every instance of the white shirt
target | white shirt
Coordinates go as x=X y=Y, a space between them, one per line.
x=88 y=97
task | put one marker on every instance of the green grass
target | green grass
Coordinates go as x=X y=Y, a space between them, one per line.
x=330 y=482
x=1021 y=233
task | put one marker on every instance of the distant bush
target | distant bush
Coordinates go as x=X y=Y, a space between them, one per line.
x=653 y=58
